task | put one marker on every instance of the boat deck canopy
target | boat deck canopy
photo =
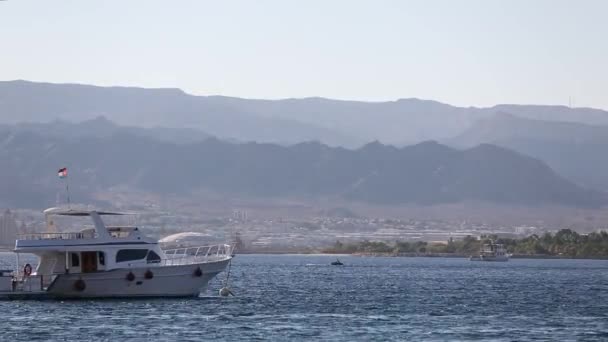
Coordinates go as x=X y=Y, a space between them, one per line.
x=75 y=212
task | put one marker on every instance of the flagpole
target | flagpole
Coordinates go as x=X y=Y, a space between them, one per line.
x=67 y=190
x=63 y=174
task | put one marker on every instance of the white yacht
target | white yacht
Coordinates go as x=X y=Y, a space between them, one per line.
x=491 y=252
x=109 y=261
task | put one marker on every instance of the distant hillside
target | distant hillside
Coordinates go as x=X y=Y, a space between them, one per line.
x=575 y=151
x=589 y=116
x=333 y=122
x=101 y=127
x=22 y=101
x=426 y=173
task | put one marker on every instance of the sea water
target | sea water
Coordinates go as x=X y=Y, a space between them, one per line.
x=302 y=297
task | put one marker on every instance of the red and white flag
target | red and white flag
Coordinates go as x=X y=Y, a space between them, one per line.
x=63 y=172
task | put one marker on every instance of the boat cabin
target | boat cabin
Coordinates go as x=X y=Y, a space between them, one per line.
x=101 y=248
x=493 y=249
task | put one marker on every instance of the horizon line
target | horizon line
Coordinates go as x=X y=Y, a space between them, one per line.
x=184 y=92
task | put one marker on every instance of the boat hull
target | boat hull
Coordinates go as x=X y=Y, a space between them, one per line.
x=165 y=281
x=489 y=258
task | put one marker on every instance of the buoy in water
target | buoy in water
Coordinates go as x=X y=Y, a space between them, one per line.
x=225 y=292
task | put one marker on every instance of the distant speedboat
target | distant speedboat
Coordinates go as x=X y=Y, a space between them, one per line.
x=337 y=263
x=491 y=252
x=109 y=261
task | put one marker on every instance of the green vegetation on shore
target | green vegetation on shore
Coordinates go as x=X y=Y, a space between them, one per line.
x=564 y=243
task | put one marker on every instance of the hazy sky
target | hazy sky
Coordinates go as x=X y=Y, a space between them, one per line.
x=461 y=52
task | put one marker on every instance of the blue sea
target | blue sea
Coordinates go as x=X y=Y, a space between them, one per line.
x=303 y=298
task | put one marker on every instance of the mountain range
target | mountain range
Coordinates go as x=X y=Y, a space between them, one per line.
x=101 y=127
x=289 y=121
x=425 y=173
x=264 y=148
x=574 y=150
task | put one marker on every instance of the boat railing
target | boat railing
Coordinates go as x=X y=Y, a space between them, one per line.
x=56 y=236
x=32 y=283
x=196 y=254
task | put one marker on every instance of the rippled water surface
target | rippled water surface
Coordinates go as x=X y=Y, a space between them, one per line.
x=303 y=298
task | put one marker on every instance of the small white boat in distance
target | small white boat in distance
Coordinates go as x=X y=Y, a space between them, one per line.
x=491 y=252
x=107 y=262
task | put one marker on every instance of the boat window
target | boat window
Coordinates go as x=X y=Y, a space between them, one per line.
x=131 y=254
x=75 y=260
x=153 y=257
x=102 y=258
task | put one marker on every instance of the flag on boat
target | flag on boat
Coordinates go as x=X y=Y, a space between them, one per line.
x=62 y=173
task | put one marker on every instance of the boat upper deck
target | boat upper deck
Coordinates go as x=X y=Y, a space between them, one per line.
x=97 y=234
x=56 y=236
x=89 y=233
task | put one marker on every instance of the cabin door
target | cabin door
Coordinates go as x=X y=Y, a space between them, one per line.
x=89 y=262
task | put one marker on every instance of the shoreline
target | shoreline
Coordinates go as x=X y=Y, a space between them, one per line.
x=414 y=255
x=393 y=255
